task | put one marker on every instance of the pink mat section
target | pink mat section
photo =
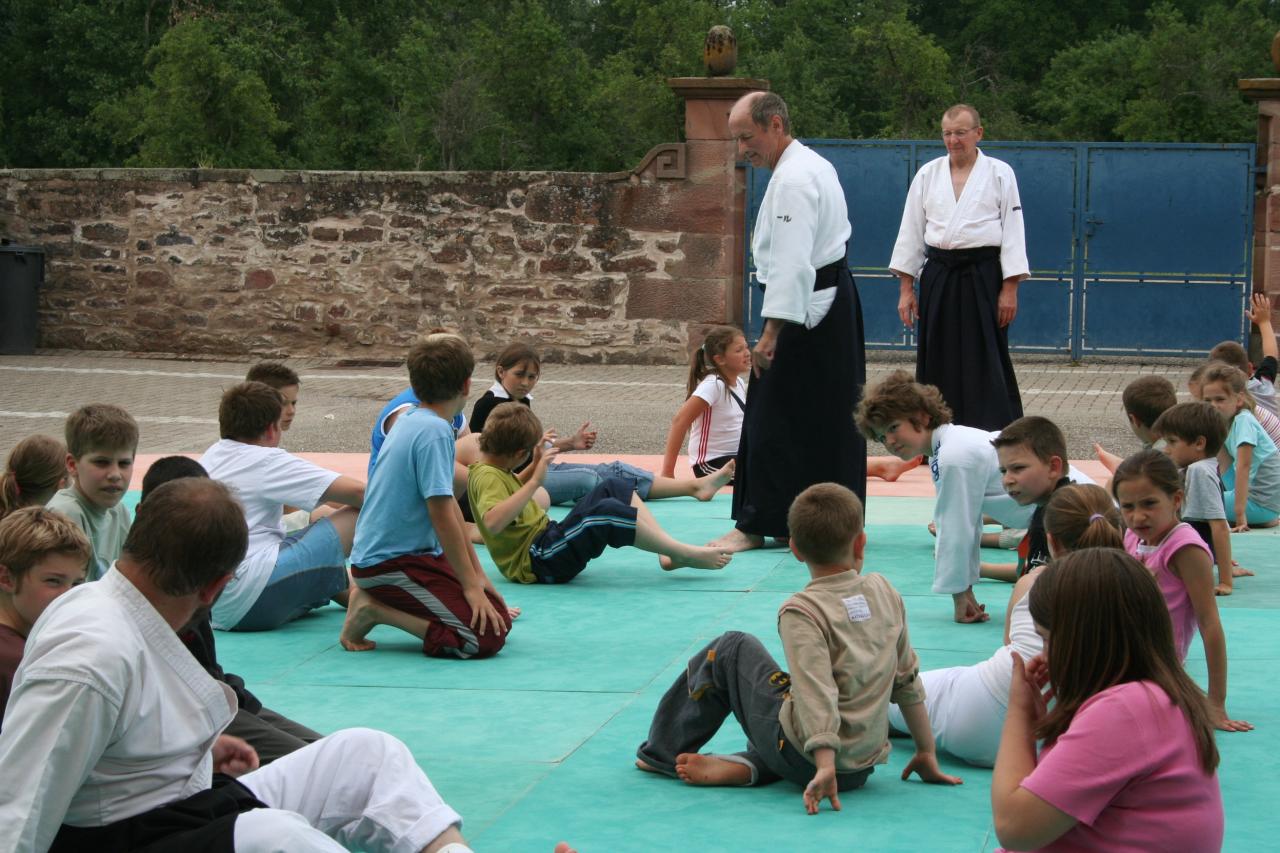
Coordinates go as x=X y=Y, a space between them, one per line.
x=916 y=483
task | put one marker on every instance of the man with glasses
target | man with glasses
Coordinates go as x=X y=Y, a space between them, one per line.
x=962 y=234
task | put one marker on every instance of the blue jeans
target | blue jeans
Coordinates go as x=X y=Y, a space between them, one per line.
x=569 y=482
x=311 y=569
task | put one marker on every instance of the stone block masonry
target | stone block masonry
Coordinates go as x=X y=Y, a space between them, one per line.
x=594 y=268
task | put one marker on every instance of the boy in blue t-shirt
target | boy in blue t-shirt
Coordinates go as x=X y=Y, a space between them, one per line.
x=412 y=563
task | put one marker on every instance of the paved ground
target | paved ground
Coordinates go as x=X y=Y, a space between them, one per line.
x=176 y=401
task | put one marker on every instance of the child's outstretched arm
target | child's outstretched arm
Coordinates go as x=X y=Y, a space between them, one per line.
x=925 y=761
x=1244 y=461
x=501 y=514
x=692 y=409
x=1195 y=568
x=583 y=439
x=446 y=519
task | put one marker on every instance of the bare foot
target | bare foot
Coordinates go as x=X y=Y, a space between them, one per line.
x=514 y=613
x=735 y=540
x=1110 y=461
x=1222 y=589
x=564 y=847
x=709 y=486
x=473 y=533
x=1272 y=523
x=648 y=768
x=933 y=529
x=706 y=557
x=892 y=467
x=967 y=608
x=362 y=612
x=697 y=769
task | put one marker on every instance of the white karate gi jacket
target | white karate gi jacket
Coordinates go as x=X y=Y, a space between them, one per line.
x=110 y=716
x=988 y=213
x=802 y=226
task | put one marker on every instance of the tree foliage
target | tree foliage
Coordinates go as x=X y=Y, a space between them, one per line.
x=580 y=84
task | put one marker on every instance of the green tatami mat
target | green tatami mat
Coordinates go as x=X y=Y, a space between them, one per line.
x=537 y=744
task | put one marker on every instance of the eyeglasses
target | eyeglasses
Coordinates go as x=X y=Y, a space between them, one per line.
x=958 y=134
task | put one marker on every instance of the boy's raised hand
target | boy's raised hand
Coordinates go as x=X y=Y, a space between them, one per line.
x=584 y=438
x=1259 y=312
x=542 y=457
x=821 y=787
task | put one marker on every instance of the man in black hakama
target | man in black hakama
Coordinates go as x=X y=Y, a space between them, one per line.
x=809 y=362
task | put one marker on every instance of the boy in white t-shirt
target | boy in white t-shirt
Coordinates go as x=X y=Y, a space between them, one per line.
x=281 y=577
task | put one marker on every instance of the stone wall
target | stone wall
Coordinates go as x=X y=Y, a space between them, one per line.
x=624 y=267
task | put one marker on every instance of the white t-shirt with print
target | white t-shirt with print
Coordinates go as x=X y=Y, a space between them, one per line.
x=716 y=432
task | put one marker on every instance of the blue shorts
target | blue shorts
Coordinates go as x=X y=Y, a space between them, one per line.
x=310 y=570
x=604 y=518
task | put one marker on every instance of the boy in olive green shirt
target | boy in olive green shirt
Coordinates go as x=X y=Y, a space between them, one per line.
x=529 y=547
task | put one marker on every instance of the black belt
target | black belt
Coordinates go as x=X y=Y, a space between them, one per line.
x=829 y=275
x=961 y=257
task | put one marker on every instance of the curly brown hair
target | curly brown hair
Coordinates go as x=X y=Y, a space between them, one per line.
x=899 y=397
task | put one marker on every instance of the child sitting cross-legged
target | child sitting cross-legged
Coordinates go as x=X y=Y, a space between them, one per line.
x=531 y=548
x=826 y=726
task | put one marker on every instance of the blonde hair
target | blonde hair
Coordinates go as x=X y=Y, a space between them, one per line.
x=1232 y=378
x=29 y=535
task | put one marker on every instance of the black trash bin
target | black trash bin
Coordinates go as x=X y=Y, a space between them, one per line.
x=21 y=274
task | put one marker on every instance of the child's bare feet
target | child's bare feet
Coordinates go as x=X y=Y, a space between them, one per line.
x=694 y=557
x=564 y=847
x=967 y=608
x=362 y=612
x=708 y=487
x=735 y=540
x=697 y=769
x=1222 y=589
x=514 y=613
x=892 y=467
x=933 y=529
x=1239 y=571
x=1110 y=461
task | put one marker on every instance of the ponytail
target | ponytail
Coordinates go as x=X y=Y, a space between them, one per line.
x=717 y=342
x=1083 y=516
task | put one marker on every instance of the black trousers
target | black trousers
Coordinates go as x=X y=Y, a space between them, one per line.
x=798 y=426
x=963 y=350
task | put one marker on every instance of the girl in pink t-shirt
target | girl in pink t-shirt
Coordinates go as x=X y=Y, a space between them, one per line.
x=1129 y=760
x=1148 y=487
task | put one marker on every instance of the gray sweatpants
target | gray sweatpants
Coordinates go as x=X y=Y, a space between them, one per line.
x=736 y=675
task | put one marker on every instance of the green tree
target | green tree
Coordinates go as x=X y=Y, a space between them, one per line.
x=199 y=108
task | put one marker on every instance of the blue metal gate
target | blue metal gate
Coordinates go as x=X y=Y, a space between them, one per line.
x=1135 y=248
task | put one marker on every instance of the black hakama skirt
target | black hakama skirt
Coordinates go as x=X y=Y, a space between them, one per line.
x=962 y=348
x=205 y=822
x=798 y=426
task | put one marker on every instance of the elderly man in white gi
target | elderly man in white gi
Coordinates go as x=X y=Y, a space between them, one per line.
x=962 y=234
x=112 y=739
x=809 y=363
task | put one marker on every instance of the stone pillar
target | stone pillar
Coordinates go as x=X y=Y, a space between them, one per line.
x=1265 y=91
x=713 y=164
